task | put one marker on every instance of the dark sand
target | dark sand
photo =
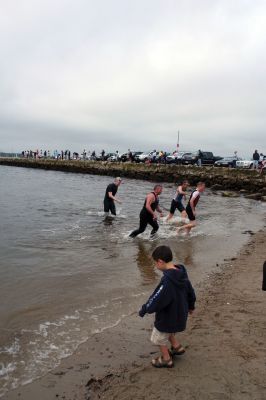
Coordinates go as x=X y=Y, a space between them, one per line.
x=225 y=341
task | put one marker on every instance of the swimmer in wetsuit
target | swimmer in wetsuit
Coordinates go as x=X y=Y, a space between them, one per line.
x=177 y=201
x=191 y=207
x=109 y=198
x=148 y=214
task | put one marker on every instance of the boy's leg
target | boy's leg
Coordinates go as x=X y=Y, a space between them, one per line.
x=176 y=346
x=165 y=353
x=160 y=339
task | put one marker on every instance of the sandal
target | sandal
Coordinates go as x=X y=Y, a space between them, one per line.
x=177 y=351
x=159 y=362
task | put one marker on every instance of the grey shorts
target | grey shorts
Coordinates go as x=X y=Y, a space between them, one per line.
x=160 y=338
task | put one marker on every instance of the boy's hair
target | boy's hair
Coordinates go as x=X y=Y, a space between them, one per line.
x=163 y=253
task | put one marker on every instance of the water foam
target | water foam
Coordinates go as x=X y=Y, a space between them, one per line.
x=42 y=349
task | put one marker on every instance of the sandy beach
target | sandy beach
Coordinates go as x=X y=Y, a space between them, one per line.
x=225 y=343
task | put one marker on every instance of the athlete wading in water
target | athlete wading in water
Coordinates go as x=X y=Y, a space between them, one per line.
x=109 y=198
x=148 y=212
x=177 y=201
x=191 y=208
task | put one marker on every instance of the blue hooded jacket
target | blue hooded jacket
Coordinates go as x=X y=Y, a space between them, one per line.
x=171 y=301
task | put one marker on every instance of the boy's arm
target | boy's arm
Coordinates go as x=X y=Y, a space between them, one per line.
x=191 y=297
x=158 y=300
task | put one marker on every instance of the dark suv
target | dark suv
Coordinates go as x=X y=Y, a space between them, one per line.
x=207 y=158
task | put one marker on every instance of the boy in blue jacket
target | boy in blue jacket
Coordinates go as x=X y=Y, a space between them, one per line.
x=171 y=301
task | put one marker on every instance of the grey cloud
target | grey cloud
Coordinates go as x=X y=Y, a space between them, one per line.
x=116 y=74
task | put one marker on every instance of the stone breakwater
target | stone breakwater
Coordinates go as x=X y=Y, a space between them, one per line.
x=247 y=182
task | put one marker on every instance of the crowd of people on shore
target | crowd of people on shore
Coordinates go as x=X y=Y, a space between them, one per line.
x=257 y=162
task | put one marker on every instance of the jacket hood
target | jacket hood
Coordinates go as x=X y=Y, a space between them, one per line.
x=178 y=276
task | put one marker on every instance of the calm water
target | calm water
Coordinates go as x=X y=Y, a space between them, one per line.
x=67 y=272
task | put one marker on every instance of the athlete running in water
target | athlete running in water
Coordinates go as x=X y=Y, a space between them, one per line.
x=191 y=208
x=177 y=201
x=148 y=214
x=109 y=198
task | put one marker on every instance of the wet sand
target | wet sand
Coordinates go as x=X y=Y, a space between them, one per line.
x=225 y=342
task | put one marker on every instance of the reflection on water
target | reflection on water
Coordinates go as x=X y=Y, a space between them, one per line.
x=145 y=263
x=68 y=271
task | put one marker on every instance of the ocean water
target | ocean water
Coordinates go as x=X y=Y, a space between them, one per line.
x=67 y=271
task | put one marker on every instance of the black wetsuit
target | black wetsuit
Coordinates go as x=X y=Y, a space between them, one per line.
x=177 y=203
x=109 y=204
x=195 y=195
x=145 y=218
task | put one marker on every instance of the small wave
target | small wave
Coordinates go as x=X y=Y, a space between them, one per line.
x=52 y=231
x=5 y=370
x=13 y=349
x=96 y=213
x=85 y=237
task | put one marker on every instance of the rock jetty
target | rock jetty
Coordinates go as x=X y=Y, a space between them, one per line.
x=246 y=182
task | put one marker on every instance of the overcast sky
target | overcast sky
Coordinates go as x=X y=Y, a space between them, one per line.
x=119 y=74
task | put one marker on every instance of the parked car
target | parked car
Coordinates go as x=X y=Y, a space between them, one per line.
x=187 y=158
x=244 y=164
x=144 y=156
x=124 y=157
x=181 y=157
x=112 y=157
x=174 y=157
x=135 y=155
x=207 y=158
x=227 y=162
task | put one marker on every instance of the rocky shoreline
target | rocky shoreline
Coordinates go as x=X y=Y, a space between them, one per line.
x=246 y=182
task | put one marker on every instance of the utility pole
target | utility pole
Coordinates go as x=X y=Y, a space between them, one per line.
x=177 y=141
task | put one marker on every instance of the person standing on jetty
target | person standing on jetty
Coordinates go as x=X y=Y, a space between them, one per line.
x=171 y=301
x=177 y=201
x=109 y=198
x=191 y=207
x=148 y=212
x=256 y=158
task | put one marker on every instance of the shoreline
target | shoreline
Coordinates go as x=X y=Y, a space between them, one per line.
x=226 y=336
x=246 y=182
